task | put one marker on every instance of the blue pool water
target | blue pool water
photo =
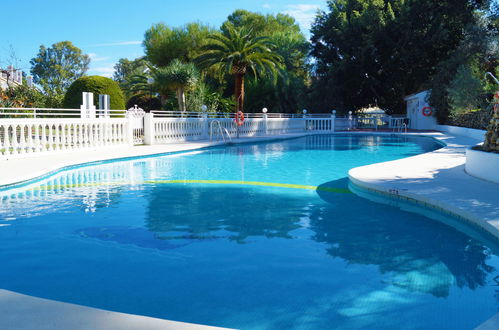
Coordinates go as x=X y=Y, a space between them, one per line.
x=181 y=237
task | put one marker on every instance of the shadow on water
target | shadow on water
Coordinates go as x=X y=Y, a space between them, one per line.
x=420 y=254
x=201 y=212
x=401 y=243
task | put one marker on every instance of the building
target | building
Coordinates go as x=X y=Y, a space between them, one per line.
x=421 y=115
x=10 y=77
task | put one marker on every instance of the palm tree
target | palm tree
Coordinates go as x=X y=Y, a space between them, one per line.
x=179 y=77
x=237 y=51
x=140 y=84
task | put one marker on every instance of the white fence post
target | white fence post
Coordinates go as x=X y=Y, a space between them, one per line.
x=205 y=133
x=305 y=126
x=88 y=107
x=104 y=105
x=149 y=132
x=129 y=130
x=265 y=124
x=333 y=119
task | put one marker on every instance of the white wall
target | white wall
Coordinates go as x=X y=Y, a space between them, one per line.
x=415 y=105
x=477 y=134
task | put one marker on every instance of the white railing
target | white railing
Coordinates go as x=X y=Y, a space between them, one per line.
x=27 y=136
x=15 y=113
x=161 y=129
x=319 y=124
x=25 y=131
x=191 y=114
x=277 y=126
x=178 y=129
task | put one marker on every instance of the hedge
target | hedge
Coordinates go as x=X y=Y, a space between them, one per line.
x=97 y=85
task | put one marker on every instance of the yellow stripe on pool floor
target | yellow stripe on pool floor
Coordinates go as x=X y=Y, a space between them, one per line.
x=255 y=183
x=228 y=182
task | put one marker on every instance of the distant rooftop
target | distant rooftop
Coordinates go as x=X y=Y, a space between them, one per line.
x=10 y=77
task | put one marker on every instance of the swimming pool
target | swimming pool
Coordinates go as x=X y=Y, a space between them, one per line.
x=253 y=236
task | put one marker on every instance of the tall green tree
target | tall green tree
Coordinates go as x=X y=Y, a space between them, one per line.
x=377 y=51
x=126 y=68
x=55 y=68
x=125 y=71
x=288 y=94
x=177 y=77
x=163 y=43
x=458 y=83
x=237 y=51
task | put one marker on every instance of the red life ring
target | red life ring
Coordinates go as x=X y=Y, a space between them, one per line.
x=427 y=111
x=239 y=118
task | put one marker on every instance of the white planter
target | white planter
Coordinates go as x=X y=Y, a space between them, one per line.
x=483 y=165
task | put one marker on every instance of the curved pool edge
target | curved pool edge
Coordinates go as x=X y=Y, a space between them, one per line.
x=27 y=170
x=436 y=180
x=53 y=163
x=355 y=176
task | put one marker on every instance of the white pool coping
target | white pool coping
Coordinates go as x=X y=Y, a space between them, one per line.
x=436 y=179
x=22 y=312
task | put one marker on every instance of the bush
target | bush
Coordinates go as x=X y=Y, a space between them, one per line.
x=145 y=102
x=478 y=119
x=22 y=97
x=97 y=85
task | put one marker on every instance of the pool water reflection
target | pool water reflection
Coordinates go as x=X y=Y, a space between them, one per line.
x=117 y=236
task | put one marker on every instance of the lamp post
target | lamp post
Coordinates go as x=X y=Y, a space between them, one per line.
x=150 y=81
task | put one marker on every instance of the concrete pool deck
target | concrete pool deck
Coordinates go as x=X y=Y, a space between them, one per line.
x=436 y=179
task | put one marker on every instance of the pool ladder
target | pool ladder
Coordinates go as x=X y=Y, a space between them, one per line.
x=222 y=131
x=400 y=128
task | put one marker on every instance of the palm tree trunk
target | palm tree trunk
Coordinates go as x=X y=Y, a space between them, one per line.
x=181 y=99
x=239 y=92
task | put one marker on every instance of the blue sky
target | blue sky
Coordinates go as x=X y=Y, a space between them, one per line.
x=111 y=29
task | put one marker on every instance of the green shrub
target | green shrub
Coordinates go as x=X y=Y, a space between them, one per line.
x=97 y=85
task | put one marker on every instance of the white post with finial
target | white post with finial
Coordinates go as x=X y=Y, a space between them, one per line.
x=265 y=127
x=204 y=117
x=305 y=118
x=333 y=119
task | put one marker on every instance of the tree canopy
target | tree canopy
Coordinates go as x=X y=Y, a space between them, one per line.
x=288 y=93
x=374 y=52
x=163 y=43
x=55 y=68
x=237 y=51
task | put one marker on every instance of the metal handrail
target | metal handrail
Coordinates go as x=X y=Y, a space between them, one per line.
x=221 y=131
